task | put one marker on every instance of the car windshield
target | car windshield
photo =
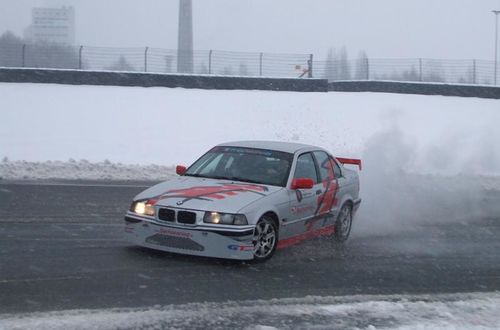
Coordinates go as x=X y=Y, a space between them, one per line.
x=244 y=164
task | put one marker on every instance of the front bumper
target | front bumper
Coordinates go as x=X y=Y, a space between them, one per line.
x=192 y=240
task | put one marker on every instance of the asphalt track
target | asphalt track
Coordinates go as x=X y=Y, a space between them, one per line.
x=61 y=247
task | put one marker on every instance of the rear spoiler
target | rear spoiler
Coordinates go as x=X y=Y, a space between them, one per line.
x=351 y=161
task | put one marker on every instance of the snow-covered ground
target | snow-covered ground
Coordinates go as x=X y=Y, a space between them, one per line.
x=167 y=126
x=445 y=311
x=436 y=158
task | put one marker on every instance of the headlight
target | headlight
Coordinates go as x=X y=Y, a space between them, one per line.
x=225 y=218
x=143 y=208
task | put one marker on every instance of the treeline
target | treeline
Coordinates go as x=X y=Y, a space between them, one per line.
x=338 y=66
x=16 y=52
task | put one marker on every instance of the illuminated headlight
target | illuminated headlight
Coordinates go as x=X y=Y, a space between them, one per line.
x=143 y=208
x=225 y=218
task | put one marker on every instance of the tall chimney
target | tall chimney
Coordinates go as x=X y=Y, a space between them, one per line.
x=185 y=37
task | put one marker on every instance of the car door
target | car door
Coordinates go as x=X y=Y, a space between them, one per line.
x=303 y=202
x=331 y=182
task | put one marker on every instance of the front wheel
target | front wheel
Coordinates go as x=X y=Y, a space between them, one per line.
x=343 y=224
x=265 y=239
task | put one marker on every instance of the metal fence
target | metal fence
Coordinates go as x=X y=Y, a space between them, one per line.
x=215 y=62
x=154 y=60
x=413 y=70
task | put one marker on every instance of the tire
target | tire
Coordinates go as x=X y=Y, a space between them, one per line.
x=343 y=224
x=265 y=239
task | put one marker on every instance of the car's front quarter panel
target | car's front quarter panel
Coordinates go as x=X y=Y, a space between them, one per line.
x=198 y=196
x=276 y=202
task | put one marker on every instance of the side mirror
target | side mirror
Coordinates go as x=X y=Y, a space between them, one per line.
x=180 y=169
x=302 y=183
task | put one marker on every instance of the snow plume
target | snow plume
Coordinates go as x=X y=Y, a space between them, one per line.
x=470 y=154
x=405 y=184
x=444 y=311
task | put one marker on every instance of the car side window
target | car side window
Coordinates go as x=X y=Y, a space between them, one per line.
x=336 y=169
x=306 y=168
x=325 y=165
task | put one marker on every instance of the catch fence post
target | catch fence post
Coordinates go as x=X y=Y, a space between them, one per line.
x=210 y=62
x=260 y=63
x=24 y=55
x=310 y=66
x=473 y=71
x=420 y=69
x=146 y=59
x=80 y=52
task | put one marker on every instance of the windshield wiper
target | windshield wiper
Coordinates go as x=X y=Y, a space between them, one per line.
x=232 y=178
x=235 y=178
x=196 y=175
x=208 y=176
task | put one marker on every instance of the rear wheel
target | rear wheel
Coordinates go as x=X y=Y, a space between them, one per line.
x=265 y=239
x=343 y=224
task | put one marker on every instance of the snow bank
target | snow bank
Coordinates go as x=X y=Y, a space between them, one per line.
x=83 y=170
x=443 y=311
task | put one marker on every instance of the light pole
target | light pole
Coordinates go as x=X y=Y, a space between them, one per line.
x=496 y=12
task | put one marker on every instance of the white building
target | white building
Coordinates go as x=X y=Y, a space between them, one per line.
x=52 y=25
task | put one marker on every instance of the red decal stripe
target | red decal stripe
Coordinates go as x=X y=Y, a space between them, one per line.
x=324 y=231
x=212 y=192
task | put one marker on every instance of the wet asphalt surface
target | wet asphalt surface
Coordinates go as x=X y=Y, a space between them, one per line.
x=62 y=247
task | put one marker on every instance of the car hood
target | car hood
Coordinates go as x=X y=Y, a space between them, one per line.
x=206 y=194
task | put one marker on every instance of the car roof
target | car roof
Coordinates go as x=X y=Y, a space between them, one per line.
x=290 y=147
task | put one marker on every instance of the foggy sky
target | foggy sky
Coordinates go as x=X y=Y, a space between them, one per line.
x=459 y=29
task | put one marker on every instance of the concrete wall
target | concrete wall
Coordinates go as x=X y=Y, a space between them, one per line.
x=416 y=88
x=75 y=77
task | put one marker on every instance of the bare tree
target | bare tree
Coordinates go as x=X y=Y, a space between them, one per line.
x=344 y=66
x=121 y=65
x=434 y=71
x=331 y=69
x=227 y=71
x=337 y=66
x=168 y=63
x=243 y=71
x=203 y=69
x=361 y=72
x=51 y=55
x=10 y=50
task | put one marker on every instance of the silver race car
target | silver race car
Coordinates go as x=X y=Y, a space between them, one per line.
x=244 y=200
